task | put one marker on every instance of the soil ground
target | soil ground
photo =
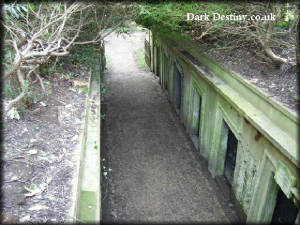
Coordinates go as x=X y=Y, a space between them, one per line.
x=39 y=151
x=272 y=79
x=151 y=171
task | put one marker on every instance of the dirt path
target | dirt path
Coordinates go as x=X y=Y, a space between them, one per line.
x=152 y=173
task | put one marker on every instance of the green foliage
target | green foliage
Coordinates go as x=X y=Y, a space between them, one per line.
x=32 y=98
x=103 y=89
x=84 y=90
x=49 y=92
x=26 y=86
x=123 y=29
x=169 y=18
x=282 y=24
x=140 y=55
x=13 y=114
x=8 y=92
x=21 y=109
x=95 y=145
x=216 y=44
x=284 y=51
x=15 y=10
x=47 y=35
x=286 y=17
x=31 y=6
x=296 y=97
x=36 y=127
x=84 y=55
x=45 y=69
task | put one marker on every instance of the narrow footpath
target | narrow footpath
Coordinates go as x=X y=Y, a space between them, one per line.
x=151 y=171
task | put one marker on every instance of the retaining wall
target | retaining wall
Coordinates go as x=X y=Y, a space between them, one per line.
x=267 y=157
x=86 y=204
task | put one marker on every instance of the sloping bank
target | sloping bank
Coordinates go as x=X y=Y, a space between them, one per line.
x=247 y=138
x=86 y=205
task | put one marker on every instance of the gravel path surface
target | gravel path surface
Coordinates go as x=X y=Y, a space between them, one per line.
x=152 y=173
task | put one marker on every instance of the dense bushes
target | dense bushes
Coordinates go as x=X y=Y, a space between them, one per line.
x=171 y=17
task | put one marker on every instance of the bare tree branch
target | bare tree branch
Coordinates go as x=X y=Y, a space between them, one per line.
x=51 y=29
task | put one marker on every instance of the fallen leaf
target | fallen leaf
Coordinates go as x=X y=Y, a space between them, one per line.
x=49 y=179
x=14 y=178
x=32 y=193
x=33 y=151
x=79 y=83
x=42 y=158
x=13 y=114
x=37 y=207
x=43 y=104
x=32 y=140
x=69 y=106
